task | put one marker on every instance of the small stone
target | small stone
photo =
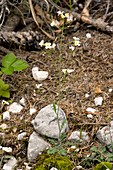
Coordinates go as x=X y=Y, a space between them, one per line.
x=36 y=145
x=88 y=35
x=53 y=168
x=10 y=165
x=32 y=110
x=7 y=149
x=15 y=108
x=89 y=109
x=77 y=136
x=39 y=75
x=110 y=90
x=87 y=95
x=98 y=101
x=22 y=101
x=6 y=115
x=73 y=147
x=67 y=71
x=90 y=116
x=21 y=135
x=79 y=167
x=3 y=126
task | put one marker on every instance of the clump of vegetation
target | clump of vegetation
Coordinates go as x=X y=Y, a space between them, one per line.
x=103 y=166
x=46 y=162
x=10 y=64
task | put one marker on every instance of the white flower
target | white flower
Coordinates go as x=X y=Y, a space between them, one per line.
x=55 y=23
x=76 y=41
x=69 y=17
x=72 y=48
x=41 y=43
x=53 y=45
x=47 y=45
x=61 y=13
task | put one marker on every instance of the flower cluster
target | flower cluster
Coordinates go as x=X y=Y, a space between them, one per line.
x=76 y=42
x=47 y=45
x=68 y=16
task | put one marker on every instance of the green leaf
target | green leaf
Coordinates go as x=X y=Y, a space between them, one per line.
x=7 y=71
x=8 y=60
x=54 y=107
x=5 y=93
x=19 y=65
x=3 y=85
x=4 y=89
x=52 y=150
x=1 y=73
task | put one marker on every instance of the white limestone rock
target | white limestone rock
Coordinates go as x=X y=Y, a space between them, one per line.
x=15 y=108
x=39 y=75
x=46 y=122
x=6 y=115
x=77 y=136
x=36 y=145
x=10 y=165
x=21 y=135
x=105 y=135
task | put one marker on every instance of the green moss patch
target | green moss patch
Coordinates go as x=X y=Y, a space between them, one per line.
x=46 y=162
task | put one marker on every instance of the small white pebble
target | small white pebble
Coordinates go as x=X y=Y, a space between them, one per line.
x=32 y=110
x=22 y=101
x=15 y=108
x=77 y=150
x=87 y=95
x=39 y=75
x=89 y=109
x=3 y=126
x=98 y=101
x=90 y=116
x=110 y=90
x=53 y=168
x=73 y=147
x=6 y=115
x=7 y=149
x=67 y=71
x=21 y=135
x=88 y=35
x=79 y=167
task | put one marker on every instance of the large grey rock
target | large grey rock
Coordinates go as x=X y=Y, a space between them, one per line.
x=46 y=122
x=77 y=136
x=105 y=135
x=36 y=146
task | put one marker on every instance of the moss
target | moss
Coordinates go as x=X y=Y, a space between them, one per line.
x=46 y=162
x=103 y=166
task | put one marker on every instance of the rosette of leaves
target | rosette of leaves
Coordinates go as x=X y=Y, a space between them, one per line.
x=10 y=64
